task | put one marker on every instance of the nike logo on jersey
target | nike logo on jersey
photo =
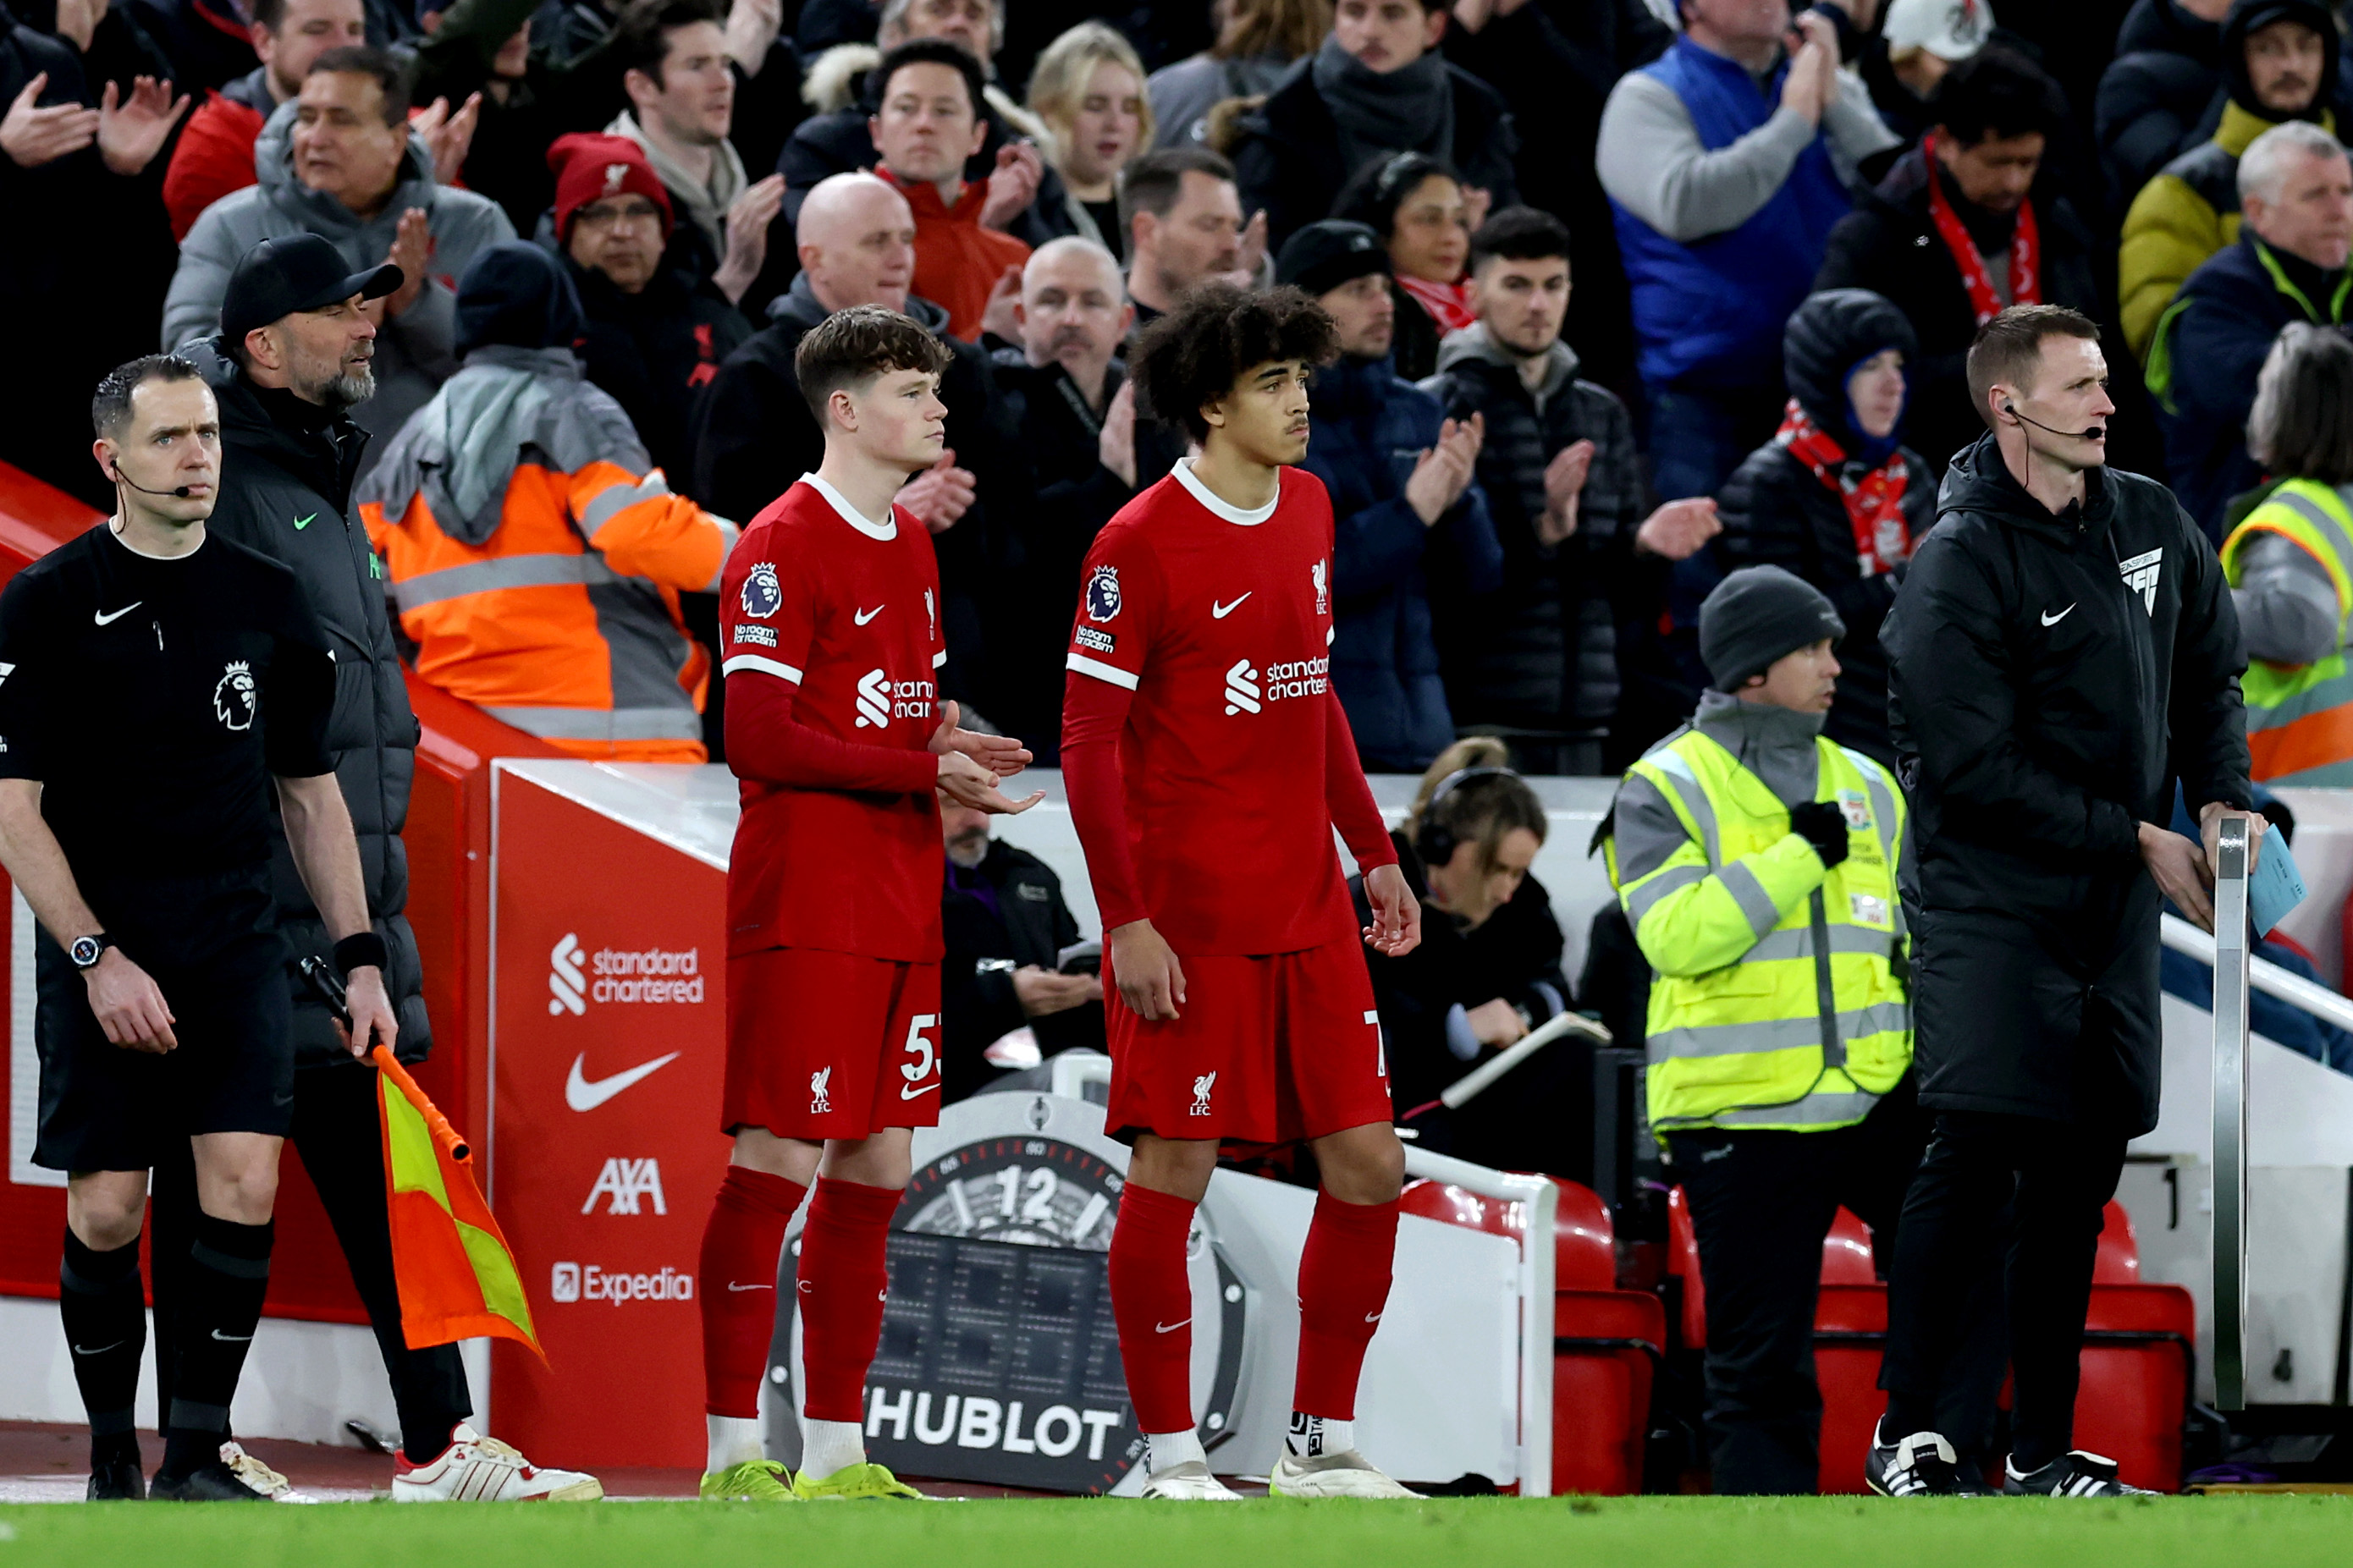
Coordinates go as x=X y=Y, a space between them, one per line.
x=732 y=1286
x=231 y=1338
x=910 y=1093
x=1169 y=1328
x=2050 y=620
x=1219 y=612
x=105 y=619
x=302 y=522
x=862 y=617
x=582 y=1094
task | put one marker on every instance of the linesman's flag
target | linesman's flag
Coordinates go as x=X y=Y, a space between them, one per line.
x=458 y=1276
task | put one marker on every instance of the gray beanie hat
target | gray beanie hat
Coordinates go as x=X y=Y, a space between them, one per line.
x=1756 y=616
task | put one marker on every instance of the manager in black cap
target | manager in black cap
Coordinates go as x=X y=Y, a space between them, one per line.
x=1404 y=503
x=294 y=357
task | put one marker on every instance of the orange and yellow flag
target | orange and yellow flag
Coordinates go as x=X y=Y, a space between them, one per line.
x=458 y=1277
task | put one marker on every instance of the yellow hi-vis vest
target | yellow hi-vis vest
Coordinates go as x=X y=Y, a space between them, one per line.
x=2300 y=717
x=1780 y=998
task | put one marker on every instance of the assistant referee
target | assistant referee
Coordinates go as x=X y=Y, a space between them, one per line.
x=154 y=684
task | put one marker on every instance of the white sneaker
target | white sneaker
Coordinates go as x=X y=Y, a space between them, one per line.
x=258 y=1475
x=1333 y=1475
x=475 y=1468
x=1189 y=1482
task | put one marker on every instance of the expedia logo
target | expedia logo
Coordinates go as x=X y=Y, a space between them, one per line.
x=589 y=1283
x=881 y=700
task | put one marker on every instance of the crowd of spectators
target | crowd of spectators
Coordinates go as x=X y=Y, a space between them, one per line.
x=1632 y=293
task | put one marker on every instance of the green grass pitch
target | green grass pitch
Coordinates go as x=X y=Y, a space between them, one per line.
x=1629 y=1532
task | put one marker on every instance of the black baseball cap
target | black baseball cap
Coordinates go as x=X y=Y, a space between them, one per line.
x=295 y=273
x=1323 y=256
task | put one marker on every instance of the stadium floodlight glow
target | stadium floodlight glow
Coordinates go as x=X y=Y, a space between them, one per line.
x=2231 y=956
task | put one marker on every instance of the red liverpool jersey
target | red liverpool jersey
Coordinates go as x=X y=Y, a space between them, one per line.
x=848 y=615
x=1219 y=621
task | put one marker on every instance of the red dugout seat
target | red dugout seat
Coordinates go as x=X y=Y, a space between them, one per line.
x=2138 y=1349
x=1605 y=1340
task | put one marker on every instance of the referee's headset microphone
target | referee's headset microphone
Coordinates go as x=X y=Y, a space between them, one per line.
x=2088 y=432
x=122 y=478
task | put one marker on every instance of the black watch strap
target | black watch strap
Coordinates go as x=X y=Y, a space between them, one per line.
x=87 y=950
x=364 y=950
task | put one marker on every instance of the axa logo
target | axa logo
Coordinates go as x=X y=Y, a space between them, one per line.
x=874 y=700
x=1201 y=1088
x=1242 y=692
x=2141 y=573
x=626 y=1184
x=568 y=982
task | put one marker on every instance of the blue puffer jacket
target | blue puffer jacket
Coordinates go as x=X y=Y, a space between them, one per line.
x=1369 y=429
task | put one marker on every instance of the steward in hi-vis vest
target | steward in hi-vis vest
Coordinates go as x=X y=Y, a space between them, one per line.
x=2288 y=567
x=1756 y=862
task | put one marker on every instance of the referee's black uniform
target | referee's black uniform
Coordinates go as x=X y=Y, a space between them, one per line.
x=153 y=699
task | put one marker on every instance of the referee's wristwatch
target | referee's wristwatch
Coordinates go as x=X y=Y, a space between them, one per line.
x=87 y=950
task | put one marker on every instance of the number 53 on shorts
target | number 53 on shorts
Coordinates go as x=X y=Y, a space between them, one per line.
x=830 y=1044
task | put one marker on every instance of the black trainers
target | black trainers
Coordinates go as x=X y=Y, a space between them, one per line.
x=117 y=1481
x=1922 y=1465
x=212 y=1482
x=2075 y=1474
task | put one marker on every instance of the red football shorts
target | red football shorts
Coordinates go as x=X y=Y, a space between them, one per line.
x=1264 y=1051
x=830 y=1044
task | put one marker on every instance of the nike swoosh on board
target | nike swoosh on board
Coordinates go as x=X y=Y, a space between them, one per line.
x=732 y=1286
x=582 y=1094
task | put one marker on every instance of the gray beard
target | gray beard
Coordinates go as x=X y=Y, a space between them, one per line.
x=345 y=391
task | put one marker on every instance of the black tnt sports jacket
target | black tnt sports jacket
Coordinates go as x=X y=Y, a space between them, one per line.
x=2050 y=677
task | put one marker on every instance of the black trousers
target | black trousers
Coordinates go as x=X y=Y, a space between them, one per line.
x=2039 y=1185
x=1761 y=1204
x=338 y=1132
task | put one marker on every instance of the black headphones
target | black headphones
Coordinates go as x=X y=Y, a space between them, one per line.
x=1433 y=841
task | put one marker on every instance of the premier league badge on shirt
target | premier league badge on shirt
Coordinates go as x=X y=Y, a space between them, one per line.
x=762 y=595
x=1102 y=593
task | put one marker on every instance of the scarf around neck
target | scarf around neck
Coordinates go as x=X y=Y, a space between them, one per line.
x=706 y=205
x=1449 y=304
x=1410 y=109
x=2025 y=246
x=1874 y=500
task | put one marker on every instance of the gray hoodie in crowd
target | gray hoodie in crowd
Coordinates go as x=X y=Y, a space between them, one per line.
x=414 y=352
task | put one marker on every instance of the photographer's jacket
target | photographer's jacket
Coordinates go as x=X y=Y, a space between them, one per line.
x=2051 y=677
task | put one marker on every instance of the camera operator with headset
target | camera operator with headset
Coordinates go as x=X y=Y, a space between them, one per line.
x=1757 y=861
x=1487 y=971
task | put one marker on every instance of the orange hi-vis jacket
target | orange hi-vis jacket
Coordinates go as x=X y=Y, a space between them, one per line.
x=548 y=596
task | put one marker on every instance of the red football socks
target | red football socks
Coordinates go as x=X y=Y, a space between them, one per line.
x=1344 y=1286
x=843 y=1278
x=1151 y=1301
x=740 y=1244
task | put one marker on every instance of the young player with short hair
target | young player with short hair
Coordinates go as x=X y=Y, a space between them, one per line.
x=1207 y=762
x=830 y=605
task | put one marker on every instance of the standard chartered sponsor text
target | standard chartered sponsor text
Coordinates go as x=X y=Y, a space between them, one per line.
x=1298 y=678
x=651 y=974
